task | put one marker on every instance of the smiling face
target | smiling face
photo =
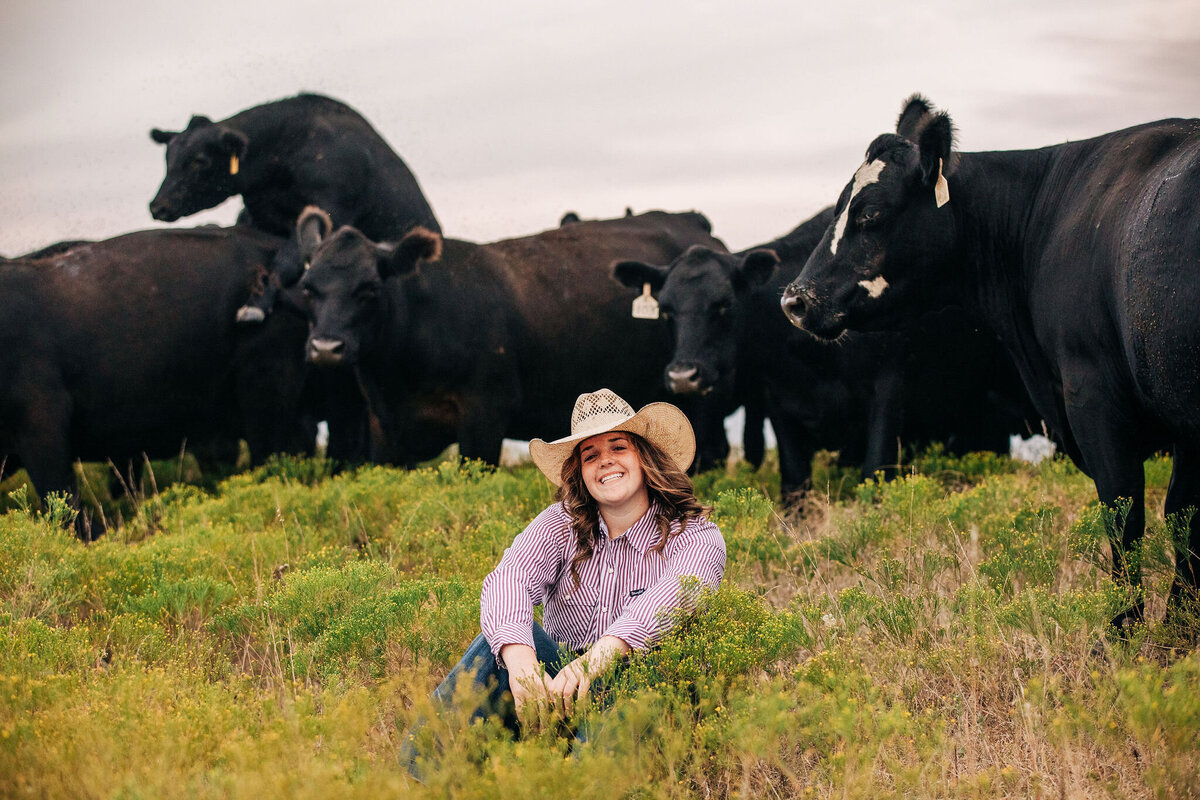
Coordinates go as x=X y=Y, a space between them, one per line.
x=612 y=471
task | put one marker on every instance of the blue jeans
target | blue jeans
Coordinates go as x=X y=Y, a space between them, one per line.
x=488 y=675
x=479 y=663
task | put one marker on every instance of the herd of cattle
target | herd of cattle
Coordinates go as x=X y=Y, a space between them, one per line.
x=987 y=292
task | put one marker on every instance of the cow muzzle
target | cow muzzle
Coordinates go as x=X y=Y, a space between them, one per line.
x=326 y=352
x=803 y=310
x=161 y=210
x=685 y=379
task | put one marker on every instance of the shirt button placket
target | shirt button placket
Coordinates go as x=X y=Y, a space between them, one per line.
x=607 y=589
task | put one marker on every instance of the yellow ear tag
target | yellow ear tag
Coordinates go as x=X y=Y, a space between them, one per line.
x=233 y=164
x=644 y=305
x=941 y=189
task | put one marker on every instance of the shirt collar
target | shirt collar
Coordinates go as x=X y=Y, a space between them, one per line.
x=643 y=534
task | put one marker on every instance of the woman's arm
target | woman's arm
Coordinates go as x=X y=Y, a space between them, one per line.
x=519 y=582
x=699 y=553
x=574 y=680
x=528 y=682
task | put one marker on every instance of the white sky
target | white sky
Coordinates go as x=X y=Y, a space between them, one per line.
x=513 y=112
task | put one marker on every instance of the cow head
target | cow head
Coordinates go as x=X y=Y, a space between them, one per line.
x=345 y=284
x=886 y=254
x=203 y=164
x=700 y=294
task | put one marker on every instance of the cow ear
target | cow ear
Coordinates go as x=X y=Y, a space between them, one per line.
x=311 y=229
x=756 y=267
x=635 y=274
x=915 y=115
x=234 y=142
x=419 y=244
x=936 y=144
x=162 y=137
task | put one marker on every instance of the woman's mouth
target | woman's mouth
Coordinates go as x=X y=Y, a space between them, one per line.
x=612 y=476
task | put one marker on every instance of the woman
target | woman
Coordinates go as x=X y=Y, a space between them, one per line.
x=607 y=562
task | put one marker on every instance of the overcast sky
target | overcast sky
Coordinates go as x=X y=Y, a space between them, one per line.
x=511 y=113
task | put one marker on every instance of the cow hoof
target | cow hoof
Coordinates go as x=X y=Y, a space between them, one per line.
x=250 y=315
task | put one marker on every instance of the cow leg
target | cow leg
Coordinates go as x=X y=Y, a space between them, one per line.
x=482 y=441
x=754 y=443
x=796 y=451
x=1183 y=498
x=1117 y=469
x=885 y=420
x=712 y=448
x=46 y=453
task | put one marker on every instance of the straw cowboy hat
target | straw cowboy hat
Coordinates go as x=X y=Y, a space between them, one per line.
x=602 y=411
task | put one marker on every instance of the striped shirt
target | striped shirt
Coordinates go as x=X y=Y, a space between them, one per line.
x=625 y=590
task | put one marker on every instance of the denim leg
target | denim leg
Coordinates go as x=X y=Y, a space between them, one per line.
x=488 y=675
x=479 y=662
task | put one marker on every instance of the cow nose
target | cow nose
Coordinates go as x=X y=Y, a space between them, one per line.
x=795 y=302
x=683 y=378
x=160 y=211
x=326 y=352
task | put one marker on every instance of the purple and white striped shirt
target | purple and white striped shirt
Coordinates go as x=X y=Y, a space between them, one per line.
x=624 y=588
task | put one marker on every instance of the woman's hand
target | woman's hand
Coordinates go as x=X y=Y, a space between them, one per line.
x=528 y=682
x=574 y=680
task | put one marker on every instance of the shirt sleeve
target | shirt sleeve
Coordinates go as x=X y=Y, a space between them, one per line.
x=519 y=582
x=698 y=552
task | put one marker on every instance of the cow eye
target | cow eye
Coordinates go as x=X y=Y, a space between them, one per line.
x=868 y=219
x=366 y=292
x=664 y=313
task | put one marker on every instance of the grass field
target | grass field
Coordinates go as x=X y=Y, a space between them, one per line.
x=941 y=635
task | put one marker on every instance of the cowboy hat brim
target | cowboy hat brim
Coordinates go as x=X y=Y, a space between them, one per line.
x=660 y=423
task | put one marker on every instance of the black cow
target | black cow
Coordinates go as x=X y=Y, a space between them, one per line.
x=129 y=346
x=1085 y=258
x=859 y=398
x=491 y=340
x=281 y=157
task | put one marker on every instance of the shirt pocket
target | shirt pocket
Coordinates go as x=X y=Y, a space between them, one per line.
x=581 y=597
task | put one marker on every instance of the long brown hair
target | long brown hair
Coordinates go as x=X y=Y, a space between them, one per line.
x=665 y=483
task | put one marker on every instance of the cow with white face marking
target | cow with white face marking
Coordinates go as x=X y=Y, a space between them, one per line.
x=1085 y=259
x=859 y=398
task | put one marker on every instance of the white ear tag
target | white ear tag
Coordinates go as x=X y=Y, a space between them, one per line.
x=941 y=189
x=233 y=164
x=645 y=306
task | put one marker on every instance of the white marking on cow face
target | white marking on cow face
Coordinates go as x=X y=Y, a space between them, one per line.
x=864 y=177
x=874 y=287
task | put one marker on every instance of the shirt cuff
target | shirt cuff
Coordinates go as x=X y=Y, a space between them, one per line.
x=508 y=633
